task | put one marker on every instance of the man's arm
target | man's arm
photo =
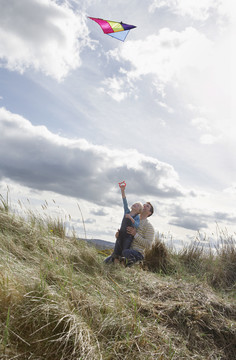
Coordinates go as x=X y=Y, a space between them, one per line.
x=131 y=230
x=148 y=237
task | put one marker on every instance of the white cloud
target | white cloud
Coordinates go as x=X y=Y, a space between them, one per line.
x=227 y=8
x=36 y=158
x=196 y=9
x=231 y=190
x=200 y=123
x=42 y=35
x=165 y=55
x=196 y=219
x=165 y=106
x=114 y=87
x=199 y=10
x=209 y=139
x=194 y=68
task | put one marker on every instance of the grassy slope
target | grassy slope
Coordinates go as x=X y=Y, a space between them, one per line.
x=59 y=301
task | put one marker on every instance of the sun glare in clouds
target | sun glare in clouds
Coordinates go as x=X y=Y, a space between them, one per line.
x=201 y=69
x=166 y=54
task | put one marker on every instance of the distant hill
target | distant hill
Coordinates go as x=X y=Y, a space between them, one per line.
x=100 y=244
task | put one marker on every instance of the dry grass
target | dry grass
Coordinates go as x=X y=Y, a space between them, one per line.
x=59 y=301
x=217 y=266
x=158 y=258
x=224 y=275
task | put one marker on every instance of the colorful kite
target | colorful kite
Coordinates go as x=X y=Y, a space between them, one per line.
x=118 y=30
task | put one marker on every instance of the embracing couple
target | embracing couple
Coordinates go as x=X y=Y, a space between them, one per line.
x=135 y=235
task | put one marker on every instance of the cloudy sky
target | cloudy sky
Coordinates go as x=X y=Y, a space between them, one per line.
x=81 y=111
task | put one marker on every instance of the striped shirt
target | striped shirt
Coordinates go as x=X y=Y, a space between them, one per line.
x=144 y=237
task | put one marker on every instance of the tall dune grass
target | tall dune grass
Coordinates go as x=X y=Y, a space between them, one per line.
x=217 y=266
x=59 y=301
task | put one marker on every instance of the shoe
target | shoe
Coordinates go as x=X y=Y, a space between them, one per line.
x=109 y=260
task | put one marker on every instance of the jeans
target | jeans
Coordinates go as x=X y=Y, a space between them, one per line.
x=132 y=256
x=122 y=246
x=124 y=240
